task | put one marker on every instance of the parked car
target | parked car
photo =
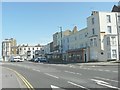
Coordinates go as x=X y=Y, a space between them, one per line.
x=40 y=59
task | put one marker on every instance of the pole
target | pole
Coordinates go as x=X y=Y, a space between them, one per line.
x=118 y=36
x=61 y=44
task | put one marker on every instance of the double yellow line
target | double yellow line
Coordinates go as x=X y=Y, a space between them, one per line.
x=28 y=85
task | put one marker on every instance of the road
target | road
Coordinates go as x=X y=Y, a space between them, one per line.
x=66 y=76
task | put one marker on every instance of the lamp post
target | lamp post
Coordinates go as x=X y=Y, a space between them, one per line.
x=118 y=35
x=61 y=48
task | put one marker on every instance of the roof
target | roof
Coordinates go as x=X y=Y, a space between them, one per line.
x=116 y=8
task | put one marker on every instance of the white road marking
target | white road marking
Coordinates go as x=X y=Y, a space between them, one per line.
x=107 y=70
x=103 y=83
x=36 y=70
x=84 y=68
x=30 y=62
x=73 y=72
x=97 y=69
x=38 y=63
x=115 y=71
x=78 y=73
x=70 y=72
x=88 y=68
x=106 y=79
x=77 y=85
x=70 y=66
x=51 y=75
x=99 y=81
x=100 y=70
x=52 y=86
x=81 y=66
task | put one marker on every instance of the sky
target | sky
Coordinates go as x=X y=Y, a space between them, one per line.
x=36 y=22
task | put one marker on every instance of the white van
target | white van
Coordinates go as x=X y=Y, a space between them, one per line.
x=16 y=59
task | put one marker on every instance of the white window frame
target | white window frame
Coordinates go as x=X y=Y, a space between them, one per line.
x=108 y=18
x=113 y=40
x=114 y=53
x=109 y=29
x=108 y=40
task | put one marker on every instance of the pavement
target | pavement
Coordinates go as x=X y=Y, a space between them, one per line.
x=103 y=63
x=110 y=63
x=67 y=76
x=9 y=79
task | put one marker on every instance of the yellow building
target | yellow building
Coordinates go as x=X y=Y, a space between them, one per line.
x=8 y=48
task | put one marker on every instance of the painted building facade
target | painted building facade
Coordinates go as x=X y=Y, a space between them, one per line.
x=48 y=50
x=103 y=36
x=27 y=52
x=97 y=42
x=57 y=43
x=8 y=48
x=75 y=46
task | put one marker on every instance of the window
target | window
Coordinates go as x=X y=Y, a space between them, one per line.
x=24 y=48
x=118 y=18
x=114 y=54
x=86 y=44
x=81 y=45
x=33 y=48
x=68 y=40
x=95 y=42
x=63 y=40
x=28 y=48
x=93 y=31
x=80 y=36
x=91 y=42
x=109 y=55
x=108 y=40
x=109 y=29
x=75 y=38
x=33 y=52
x=86 y=34
x=113 y=40
x=92 y=20
x=108 y=19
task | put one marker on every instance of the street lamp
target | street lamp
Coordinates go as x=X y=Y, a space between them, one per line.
x=118 y=35
x=61 y=48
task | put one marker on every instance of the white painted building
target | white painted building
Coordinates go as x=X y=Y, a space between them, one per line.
x=28 y=52
x=103 y=36
x=97 y=42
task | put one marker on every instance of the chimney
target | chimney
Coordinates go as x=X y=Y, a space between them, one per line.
x=94 y=12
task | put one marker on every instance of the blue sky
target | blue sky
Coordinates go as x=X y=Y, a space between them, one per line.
x=36 y=22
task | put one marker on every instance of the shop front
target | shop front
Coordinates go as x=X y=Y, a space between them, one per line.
x=77 y=55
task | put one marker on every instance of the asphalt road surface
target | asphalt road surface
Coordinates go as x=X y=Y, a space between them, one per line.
x=65 y=76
